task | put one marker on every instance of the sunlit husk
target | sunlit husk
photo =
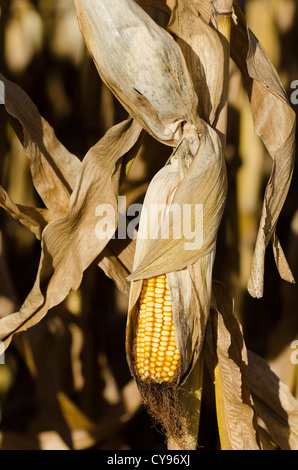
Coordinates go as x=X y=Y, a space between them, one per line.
x=142 y=65
x=65 y=254
x=189 y=272
x=203 y=52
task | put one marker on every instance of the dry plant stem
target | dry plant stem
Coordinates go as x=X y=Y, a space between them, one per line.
x=223 y=11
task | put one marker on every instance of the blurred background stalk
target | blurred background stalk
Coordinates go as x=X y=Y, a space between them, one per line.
x=64 y=384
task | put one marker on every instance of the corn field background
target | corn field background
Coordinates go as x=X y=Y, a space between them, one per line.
x=65 y=383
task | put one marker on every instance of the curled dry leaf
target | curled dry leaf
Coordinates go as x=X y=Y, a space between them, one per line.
x=54 y=171
x=142 y=65
x=70 y=245
x=164 y=247
x=275 y=123
x=167 y=245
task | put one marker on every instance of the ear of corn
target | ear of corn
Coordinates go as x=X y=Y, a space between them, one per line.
x=157 y=356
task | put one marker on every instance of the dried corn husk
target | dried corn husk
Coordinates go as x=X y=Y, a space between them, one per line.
x=275 y=122
x=34 y=219
x=54 y=169
x=67 y=231
x=275 y=405
x=142 y=65
x=227 y=350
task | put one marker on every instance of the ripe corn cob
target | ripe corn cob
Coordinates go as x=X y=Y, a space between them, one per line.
x=156 y=353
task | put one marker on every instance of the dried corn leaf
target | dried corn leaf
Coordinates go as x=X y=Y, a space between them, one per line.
x=33 y=219
x=274 y=402
x=190 y=288
x=154 y=207
x=233 y=398
x=274 y=122
x=71 y=244
x=141 y=64
x=205 y=8
x=203 y=186
x=203 y=52
x=74 y=417
x=54 y=169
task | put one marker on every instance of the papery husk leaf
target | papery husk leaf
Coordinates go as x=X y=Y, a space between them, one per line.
x=132 y=324
x=265 y=439
x=203 y=52
x=115 y=270
x=32 y=218
x=190 y=397
x=190 y=288
x=70 y=245
x=274 y=402
x=204 y=183
x=141 y=64
x=54 y=169
x=204 y=7
x=236 y=416
x=187 y=394
x=274 y=122
x=190 y=291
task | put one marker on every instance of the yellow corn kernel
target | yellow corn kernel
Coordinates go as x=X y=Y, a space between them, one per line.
x=155 y=334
